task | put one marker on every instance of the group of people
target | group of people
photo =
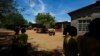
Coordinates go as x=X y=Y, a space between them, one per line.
x=85 y=45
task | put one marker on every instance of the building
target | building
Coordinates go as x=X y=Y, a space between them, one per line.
x=82 y=17
x=59 y=26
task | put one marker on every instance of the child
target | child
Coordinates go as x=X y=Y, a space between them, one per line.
x=70 y=45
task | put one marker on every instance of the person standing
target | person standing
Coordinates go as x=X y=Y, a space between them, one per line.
x=65 y=31
x=20 y=46
x=70 y=44
x=89 y=43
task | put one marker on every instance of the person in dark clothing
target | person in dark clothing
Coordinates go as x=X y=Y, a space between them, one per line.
x=23 y=30
x=16 y=30
x=89 y=43
x=70 y=44
x=20 y=44
x=65 y=31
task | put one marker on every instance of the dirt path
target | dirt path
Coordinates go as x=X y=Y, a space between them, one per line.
x=44 y=41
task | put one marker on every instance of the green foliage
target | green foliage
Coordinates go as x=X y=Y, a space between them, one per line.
x=9 y=15
x=20 y=40
x=6 y=7
x=13 y=20
x=45 y=20
x=30 y=23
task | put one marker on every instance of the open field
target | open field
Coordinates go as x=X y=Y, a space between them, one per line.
x=41 y=44
x=44 y=41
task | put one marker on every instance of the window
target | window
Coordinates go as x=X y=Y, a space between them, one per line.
x=83 y=25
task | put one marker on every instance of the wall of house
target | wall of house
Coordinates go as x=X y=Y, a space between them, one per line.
x=75 y=23
x=91 y=17
x=61 y=25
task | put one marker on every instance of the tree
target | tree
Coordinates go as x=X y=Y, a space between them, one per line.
x=10 y=15
x=45 y=20
x=6 y=8
x=13 y=20
x=30 y=23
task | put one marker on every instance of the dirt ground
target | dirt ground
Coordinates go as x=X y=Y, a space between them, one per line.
x=44 y=41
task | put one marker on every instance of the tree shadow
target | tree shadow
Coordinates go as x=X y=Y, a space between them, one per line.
x=5 y=43
x=4 y=33
x=33 y=51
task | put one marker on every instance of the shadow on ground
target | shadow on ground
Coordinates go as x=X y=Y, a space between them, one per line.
x=32 y=50
x=5 y=43
x=4 y=33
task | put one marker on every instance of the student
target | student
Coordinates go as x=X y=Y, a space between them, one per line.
x=70 y=45
x=65 y=31
x=20 y=46
x=17 y=29
x=89 y=43
x=23 y=30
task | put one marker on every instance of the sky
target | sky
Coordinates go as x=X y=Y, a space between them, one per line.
x=57 y=8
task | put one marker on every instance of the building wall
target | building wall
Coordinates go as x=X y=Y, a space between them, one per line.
x=61 y=25
x=88 y=10
x=76 y=23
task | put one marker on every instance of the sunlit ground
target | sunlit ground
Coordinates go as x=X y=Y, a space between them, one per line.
x=41 y=44
x=44 y=41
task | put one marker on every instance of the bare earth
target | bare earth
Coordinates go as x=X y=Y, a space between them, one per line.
x=44 y=41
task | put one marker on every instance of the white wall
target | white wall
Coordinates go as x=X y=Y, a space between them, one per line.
x=75 y=22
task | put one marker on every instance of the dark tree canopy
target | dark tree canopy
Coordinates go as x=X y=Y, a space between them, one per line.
x=14 y=20
x=10 y=15
x=6 y=7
